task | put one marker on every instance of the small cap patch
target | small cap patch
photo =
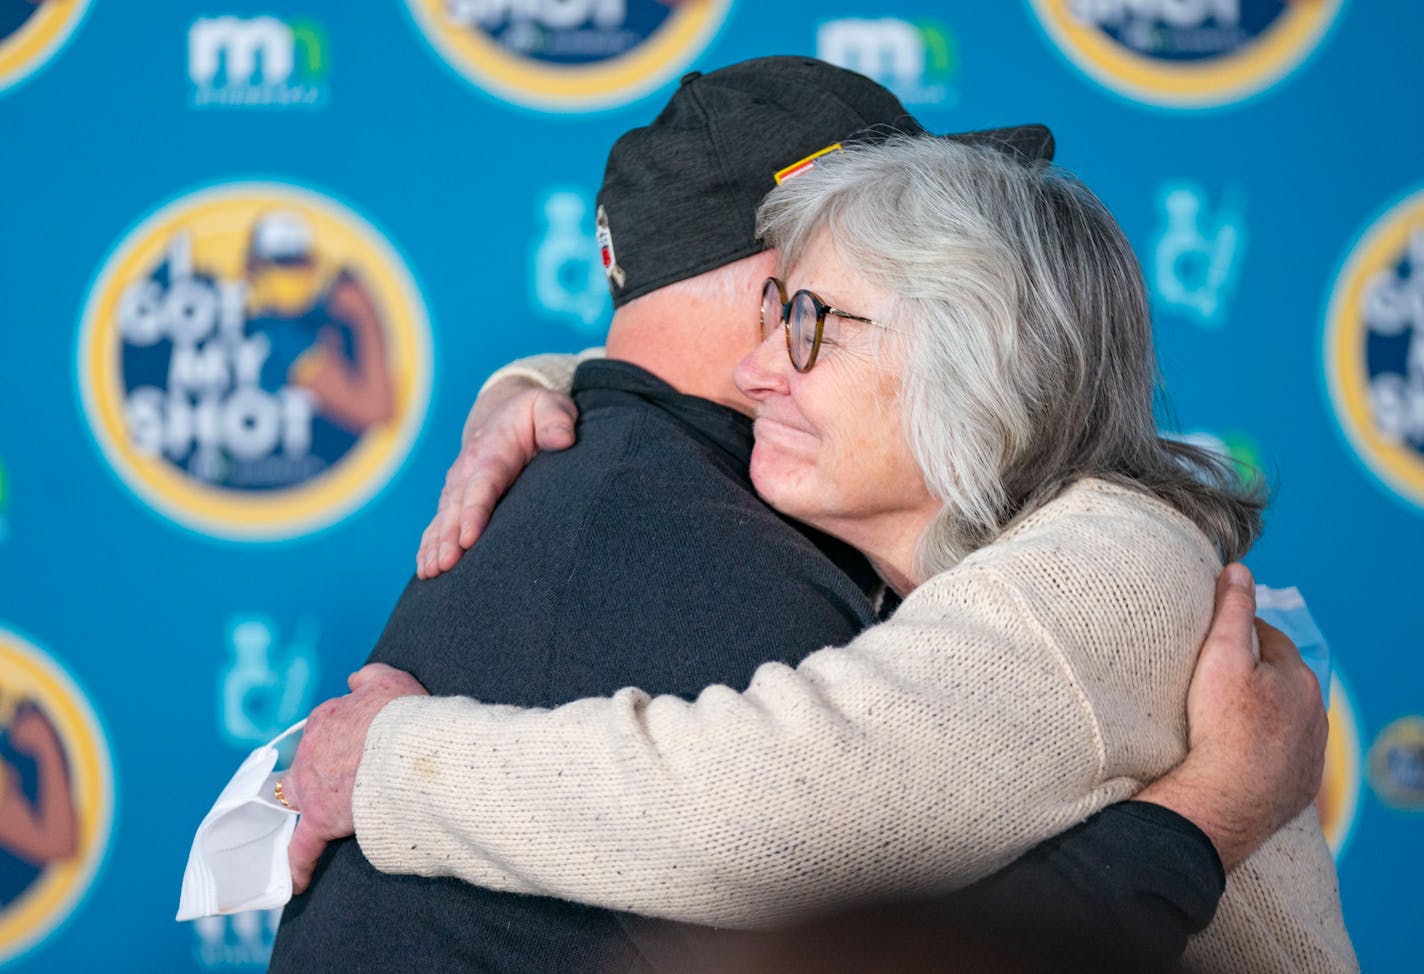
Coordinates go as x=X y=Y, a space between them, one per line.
x=614 y=273
x=804 y=165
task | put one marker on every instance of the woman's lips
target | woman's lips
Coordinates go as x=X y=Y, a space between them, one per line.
x=767 y=427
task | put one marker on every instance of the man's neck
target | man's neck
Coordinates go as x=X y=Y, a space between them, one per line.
x=690 y=345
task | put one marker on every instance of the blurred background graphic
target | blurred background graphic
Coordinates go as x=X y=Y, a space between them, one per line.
x=256 y=258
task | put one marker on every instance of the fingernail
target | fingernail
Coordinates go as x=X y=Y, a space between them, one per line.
x=444 y=551
x=1237 y=575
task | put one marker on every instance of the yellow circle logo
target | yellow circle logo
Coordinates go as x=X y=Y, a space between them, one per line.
x=56 y=795
x=569 y=55
x=1339 y=795
x=1186 y=53
x=1374 y=348
x=32 y=32
x=254 y=361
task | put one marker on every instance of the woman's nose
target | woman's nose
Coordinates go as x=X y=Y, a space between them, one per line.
x=762 y=371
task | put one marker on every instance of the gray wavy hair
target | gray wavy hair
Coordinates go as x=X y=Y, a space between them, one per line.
x=1025 y=331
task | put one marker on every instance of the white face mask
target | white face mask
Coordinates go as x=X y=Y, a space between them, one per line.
x=239 y=857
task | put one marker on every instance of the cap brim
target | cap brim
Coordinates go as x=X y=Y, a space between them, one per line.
x=1030 y=143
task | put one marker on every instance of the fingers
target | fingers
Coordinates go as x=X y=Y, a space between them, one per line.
x=368 y=673
x=426 y=552
x=441 y=534
x=501 y=437
x=1301 y=692
x=285 y=791
x=1228 y=641
x=1235 y=603
x=496 y=474
x=554 y=415
x=302 y=855
x=481 y=475
x=475 y=510
x=468 y=467
x=1279 y=653
x=1276 y=647
x=392 y=682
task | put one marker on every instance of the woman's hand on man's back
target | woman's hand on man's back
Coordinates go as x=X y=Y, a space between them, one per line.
x=510 y=423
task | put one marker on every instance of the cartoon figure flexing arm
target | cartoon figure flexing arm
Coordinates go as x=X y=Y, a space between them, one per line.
x=46 y=830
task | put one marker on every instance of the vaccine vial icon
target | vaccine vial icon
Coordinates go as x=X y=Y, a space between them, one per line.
x=569 y=281
x=266 y=685
x=1197 y=252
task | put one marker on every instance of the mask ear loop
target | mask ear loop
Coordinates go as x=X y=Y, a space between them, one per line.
x=294 y=729
x=287 y=733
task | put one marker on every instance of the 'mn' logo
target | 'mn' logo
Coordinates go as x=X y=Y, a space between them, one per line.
x=918 y=61
x=257 y=61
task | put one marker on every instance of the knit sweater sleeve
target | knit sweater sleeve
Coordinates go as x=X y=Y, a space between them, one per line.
x=552 y=370
x=930 y=752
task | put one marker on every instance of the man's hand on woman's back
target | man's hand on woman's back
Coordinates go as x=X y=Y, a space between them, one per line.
x=1257 y=728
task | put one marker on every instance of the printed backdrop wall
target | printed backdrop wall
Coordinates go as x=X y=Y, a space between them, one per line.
x=256 y=257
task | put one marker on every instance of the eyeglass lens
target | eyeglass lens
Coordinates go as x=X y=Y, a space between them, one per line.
x=771 y=309
x=803 y=328
x=800 y=319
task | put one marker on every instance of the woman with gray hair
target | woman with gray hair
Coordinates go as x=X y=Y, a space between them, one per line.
x=956 y=377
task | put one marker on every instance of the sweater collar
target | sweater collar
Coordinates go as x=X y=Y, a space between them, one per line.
x=727 y=429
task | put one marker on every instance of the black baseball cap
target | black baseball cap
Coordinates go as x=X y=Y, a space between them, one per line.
x=679 y=196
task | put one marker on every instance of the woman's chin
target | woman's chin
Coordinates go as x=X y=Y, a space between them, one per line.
x=776 y=484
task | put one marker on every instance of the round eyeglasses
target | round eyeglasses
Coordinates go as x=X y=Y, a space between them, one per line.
x=804 y=317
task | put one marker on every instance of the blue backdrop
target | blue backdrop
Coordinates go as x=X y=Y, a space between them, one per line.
x=255 y=258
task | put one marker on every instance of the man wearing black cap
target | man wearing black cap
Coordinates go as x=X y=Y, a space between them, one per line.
x=641 y=557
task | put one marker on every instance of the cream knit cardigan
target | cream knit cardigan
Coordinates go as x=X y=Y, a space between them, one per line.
x=1042 y=679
